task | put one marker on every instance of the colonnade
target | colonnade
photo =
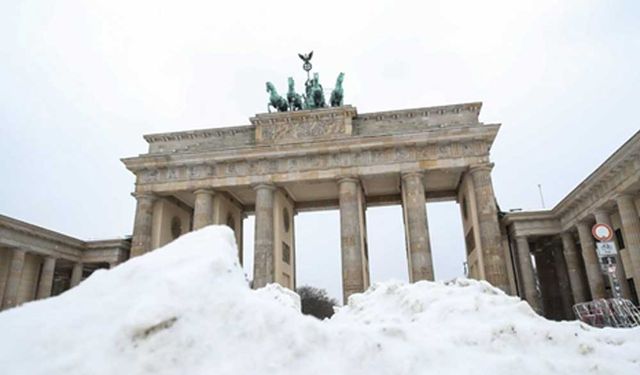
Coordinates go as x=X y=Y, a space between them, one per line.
x=353 y=237
x=580 y=262
x=42 y=281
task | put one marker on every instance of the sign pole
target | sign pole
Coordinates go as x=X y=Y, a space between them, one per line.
x=606 y=250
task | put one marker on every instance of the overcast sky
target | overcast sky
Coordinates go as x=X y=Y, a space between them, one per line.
x=82 y=81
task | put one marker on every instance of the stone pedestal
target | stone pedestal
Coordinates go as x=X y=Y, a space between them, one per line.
x=631 y=234
x=76 y=274
x=493 y=259
x=416 y=228
x=574 y=268
x=203 y=208
x=591 y=264
x=46 y=278
x=527 y=276
x=355 y=272
x=603 y=217
x=141 y=239
x=10 y=298
x=263 y=267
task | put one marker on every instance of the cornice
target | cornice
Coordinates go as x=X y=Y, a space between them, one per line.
x=601 y=185
x=484 y=133
x=198 y=134
x=511 y=217
x=59 y=238
x=42 y=233
x=600 y=180
x=473 y=107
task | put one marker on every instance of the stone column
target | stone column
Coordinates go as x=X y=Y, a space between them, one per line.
x=354 y=278
x=574 y=268
x=591 y=264
x=203 y=208
x=416 y=227
x=76 y=274
x=631 y=234
x=10 y=298
x=141 y=239
x=263 y=264
x=563 y=282
x=527 y=276
x=495 y=266
x=46 y=278
x=603 y=217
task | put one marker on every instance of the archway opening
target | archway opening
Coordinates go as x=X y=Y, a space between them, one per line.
x=387 y=249
x=248 y=230
x=447 y=240
x=317 y=250
x=318 y=262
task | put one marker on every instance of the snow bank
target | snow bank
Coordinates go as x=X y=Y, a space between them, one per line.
x=187 y=309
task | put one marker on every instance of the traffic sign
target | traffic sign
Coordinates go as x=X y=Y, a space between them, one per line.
x=602 y=232
x=606 y=249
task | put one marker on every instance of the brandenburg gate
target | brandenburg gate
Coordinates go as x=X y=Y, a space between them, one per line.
x=326 y=158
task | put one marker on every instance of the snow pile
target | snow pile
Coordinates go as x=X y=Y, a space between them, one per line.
x=187 y=309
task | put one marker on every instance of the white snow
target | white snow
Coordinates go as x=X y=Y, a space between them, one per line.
x=187 y=309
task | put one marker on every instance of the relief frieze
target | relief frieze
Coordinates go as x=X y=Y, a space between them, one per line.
x=320 y=161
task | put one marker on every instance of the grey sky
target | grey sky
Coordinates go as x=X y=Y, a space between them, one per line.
x=80 y=82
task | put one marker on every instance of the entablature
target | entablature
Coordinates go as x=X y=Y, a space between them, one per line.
x=37 y=240
x=532 y=223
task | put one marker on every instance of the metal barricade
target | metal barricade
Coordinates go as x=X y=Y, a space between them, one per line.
x=612 y=312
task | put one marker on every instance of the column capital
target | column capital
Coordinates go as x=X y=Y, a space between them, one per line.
x=481 y=167
x=350 y=178
x=521 y=237
x=18 y=250
x=409 y=174
x=263 y=185
x=204 y=191
x=624 y=197
x=584 y=222
x=601 y=211
x=566 y=234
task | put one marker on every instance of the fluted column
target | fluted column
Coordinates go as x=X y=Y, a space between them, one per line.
x=203 y=208
x=574 y=268
x=591 y=264
x=76 y=274
x=603 y=217
x=142 y=226
x=263 y=265
x=631 y=234
x=416 y=227
x=354 y=277
x=527 y=276
x=46 y=278
x=10 y=298
x=493 y=259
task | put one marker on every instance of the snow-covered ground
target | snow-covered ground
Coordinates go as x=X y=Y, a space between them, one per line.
x=187 y=309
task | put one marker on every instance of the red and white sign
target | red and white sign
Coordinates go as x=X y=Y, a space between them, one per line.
x=602 y=232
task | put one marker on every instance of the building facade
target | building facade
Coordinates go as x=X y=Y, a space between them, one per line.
x=560 y=244
x=333 y=158
x=37 y=263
